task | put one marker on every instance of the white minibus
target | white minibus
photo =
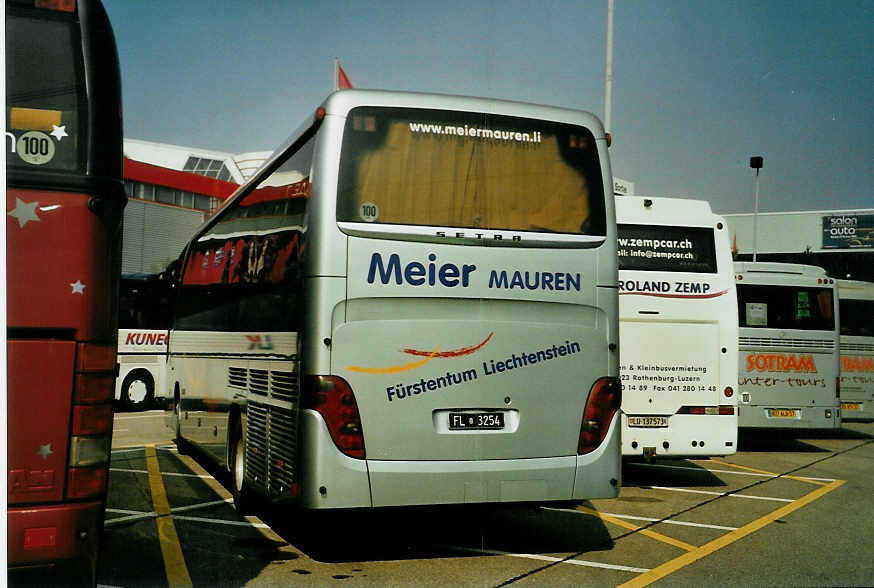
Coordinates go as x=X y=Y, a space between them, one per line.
x=789 y=347
x=413 y=302
x=677 y=329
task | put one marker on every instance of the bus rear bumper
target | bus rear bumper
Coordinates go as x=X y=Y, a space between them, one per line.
x=715 y=435
x=806 y=417
x=334 y=480
x=49 y=535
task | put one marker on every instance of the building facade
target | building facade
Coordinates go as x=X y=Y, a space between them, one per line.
x=171 y=191
x=841 y=241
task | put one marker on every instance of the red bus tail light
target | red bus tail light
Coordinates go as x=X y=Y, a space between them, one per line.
x=604 y=400
x=59 y=5
x=89 y=451
x=85 y=482
x=95 y=357
x=710 y=410
x=92 y=419
x=332 y=397
x=94 y=388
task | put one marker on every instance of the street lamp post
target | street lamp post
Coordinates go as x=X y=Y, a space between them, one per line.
x=756 y=162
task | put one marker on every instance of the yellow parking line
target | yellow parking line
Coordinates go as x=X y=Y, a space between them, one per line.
x=749 y=469
x=174 y=562
x=649 y=533
x=684 y=560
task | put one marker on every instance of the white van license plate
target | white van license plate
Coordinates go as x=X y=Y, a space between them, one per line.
x=648 y=421
x=476 y=420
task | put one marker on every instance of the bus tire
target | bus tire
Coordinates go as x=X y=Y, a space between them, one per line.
x=242 y=493
x=137 y=390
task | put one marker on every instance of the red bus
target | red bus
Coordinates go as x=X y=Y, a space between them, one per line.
x=64 y=203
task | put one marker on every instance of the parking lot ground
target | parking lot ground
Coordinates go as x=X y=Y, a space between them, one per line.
x=783 y=510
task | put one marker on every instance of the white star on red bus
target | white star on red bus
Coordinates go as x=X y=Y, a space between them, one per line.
x=24 y=212
x=78 y=287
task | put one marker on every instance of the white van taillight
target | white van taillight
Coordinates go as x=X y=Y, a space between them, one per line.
x=91 y=430
x=605 y=397
x=332 y=397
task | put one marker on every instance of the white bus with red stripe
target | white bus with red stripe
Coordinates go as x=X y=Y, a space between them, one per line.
x=856 y=301
x=142 y=361
x=677 y=329
x=789 y=356
x=143 y=321
x=412 y=303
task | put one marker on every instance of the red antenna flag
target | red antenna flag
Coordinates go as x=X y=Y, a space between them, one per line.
x=341 y=80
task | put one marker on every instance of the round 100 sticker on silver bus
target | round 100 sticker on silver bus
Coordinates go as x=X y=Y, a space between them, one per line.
x=369 y=212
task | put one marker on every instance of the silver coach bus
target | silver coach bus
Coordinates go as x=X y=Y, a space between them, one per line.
x=414 y=302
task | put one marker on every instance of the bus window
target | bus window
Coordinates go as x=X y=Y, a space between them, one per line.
x=243 y=275
x=783 y=307
x=478 y=171
x=44 y=94
x=666 y=249
x=857 y=317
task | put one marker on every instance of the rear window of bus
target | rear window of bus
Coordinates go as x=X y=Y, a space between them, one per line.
x=785 y=307
x=469 y=170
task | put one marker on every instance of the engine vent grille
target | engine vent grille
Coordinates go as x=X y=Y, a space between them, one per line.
x=271 y=449
x=858 y=347
x=279 y=385
x=818 y=344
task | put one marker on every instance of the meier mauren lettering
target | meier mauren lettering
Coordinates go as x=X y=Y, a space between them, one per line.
x=417 y=274
x=434 y=273
x=534 y=280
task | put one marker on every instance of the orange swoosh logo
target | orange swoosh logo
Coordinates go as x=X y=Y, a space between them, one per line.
x=395 y=368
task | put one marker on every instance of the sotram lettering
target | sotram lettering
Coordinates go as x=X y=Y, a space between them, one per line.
x=778 y=362
x=857 y=364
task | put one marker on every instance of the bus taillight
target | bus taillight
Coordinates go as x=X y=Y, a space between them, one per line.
x=838 y=387
x=85 y=482
x=605 y=397
x=332 y=397
x=91 y=430
x=729 y=392
x=59 y=5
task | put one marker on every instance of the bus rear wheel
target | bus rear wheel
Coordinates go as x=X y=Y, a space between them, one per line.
x=137 y=390
x=242 y=493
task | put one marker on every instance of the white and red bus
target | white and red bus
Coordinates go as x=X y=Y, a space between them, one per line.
x=856 y=301
x=143 y=321
x=64 y=202
x=677 y=329
x=789 y=357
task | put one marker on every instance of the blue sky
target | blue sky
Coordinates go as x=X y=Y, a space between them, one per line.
x=699 y=85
